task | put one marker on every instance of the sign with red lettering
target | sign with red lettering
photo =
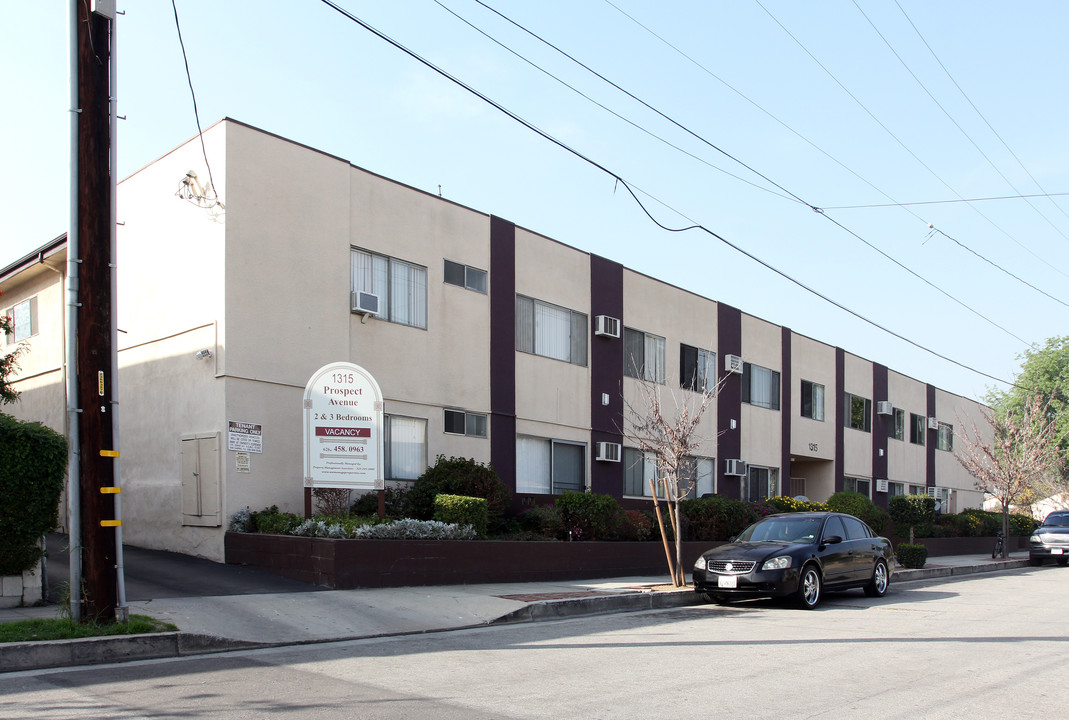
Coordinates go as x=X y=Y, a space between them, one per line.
x=343 y=429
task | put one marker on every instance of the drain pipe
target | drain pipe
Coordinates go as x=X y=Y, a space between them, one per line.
x=74 y=508
x=122 y=611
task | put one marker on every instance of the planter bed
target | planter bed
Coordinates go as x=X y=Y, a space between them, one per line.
x=964 y=545
x=344 y=564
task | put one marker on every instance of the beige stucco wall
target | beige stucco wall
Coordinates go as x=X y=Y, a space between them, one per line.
x=906 y=461
x=762 y=428
x=813 y=361
x=857 y=455
x=959 y=412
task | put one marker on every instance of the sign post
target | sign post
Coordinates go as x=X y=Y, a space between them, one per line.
x=343 y=429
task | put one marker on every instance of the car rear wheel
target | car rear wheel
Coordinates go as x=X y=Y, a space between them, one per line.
x=809 y=588
x=878 y=584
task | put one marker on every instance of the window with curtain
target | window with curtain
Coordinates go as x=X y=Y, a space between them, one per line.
x=545 y=466
x=944 y=440
x=23 y=321
x=644 y=356
x=761 y=483
x=550 y=331
x=918 y=425
x=697 y=369
x=696 y=476
x=858 y=485
x=760 y=386
x=896 y=429
x=405 y=445
x=639 y=467
x=400 y=286
x=812 y=400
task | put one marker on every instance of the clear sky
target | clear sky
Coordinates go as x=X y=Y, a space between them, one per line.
x=752 y=114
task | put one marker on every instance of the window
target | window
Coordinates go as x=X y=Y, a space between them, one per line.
x=833 y=527
x=812 y=400
x=858 y=411
x=858 y=485
x=760 y=386
x=549 y=466
x=400 y=286
x=944 y=440
x=917 y=427
x=550 y=331
x=643 y=356
x=696 y=477
x=918 y=490
x=761 y=483
x=895 y=488
x=855 y=529
x=458 y=422
x=23 y=321
x=697 y=369
x=639 y=467
x=896 y=429
x=465 y=276
x=405 y=447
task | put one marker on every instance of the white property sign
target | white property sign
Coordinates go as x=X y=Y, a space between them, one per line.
x=343 y=429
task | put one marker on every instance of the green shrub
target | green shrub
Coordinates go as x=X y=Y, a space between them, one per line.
x=861 y=507
x=910 y=511
x=543 y=520
x=396 y=501
x=272 y=522
x=588 y=516
x=460 y=510
x=784 y=504
x=33 y=460
x=635 y=525
x=715 y=518
x=912 y=556
x=1021 y=525
x=459 y=476
x=991 y=522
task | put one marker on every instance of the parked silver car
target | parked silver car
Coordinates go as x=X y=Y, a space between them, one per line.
x=1050 y=540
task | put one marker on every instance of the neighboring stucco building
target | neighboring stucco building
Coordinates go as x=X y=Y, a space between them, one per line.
x=492 y=342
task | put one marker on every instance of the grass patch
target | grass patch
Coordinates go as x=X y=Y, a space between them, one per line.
x=67 y=629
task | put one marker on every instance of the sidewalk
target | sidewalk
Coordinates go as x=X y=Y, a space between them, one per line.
x=263 y=619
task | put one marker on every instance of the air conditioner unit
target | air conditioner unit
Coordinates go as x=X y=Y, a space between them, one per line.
x=884 y=407
x=881 y=485
x=735 y=467
x=933 y=423
x=606 y=326
x=733 y=364
x=366 y=303
x=933 y=492
x=607 y=452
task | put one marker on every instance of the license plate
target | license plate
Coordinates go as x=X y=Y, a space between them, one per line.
x=1056 y=551
x=727 y=581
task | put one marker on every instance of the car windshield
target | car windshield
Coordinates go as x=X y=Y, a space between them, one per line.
x=787 y=529
x=1058 y=519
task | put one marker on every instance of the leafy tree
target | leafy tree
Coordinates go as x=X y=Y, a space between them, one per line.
x=1017 y=459
x=9 y=363
x=911 y=510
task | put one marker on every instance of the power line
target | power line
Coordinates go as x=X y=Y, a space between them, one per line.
x=627 y=186
x=196 y=115
x=943 y=202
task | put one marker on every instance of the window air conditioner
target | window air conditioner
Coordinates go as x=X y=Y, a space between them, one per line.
x=735 y=467
x=607 y=452
x=881 y=485
x=366 y=303
x=933 y=492
x=933 y=423
x=733 y=364
x=884 y=407
x=606 y=326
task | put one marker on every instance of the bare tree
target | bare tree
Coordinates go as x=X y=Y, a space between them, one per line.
x=671 y=433
x=1018 y=460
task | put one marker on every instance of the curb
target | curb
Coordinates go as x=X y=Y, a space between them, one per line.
x=942 y=571
x=626 y=602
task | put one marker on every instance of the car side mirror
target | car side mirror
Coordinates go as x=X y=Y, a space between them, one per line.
x=732 y=538
x=831 y=540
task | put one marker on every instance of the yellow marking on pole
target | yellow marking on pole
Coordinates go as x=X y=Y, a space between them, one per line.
x=110 y=523
x=110 y=490
x=109 y=453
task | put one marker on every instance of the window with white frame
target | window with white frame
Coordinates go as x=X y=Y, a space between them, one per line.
x=644 y=356
x=896 y=429
x=459 y=422
x=400 y=286
x=895 y=488
x=761 y=483
x=858 y=412
x=812 y=400
x=405 y=447
x=697 y=477
x=465 y=276
x=639 y=467
x=858 y=485
x=918 y=426
x=546 y=466
x=944 y=439
x=697 y=369
x=760 y=386
x=550 y=330
x=23 y=321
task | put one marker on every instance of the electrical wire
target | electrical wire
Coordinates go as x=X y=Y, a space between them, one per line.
x=694 y=226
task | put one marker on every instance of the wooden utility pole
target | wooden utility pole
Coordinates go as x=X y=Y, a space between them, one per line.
x=93 y=339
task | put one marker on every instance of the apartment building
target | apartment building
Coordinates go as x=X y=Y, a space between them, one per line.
x=488 y=341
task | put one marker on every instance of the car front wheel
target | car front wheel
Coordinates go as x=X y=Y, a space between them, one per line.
x=878 y=584
x=809 y=588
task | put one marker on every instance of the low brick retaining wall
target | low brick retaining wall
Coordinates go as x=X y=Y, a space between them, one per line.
x=343 y=564
x=964 y=545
